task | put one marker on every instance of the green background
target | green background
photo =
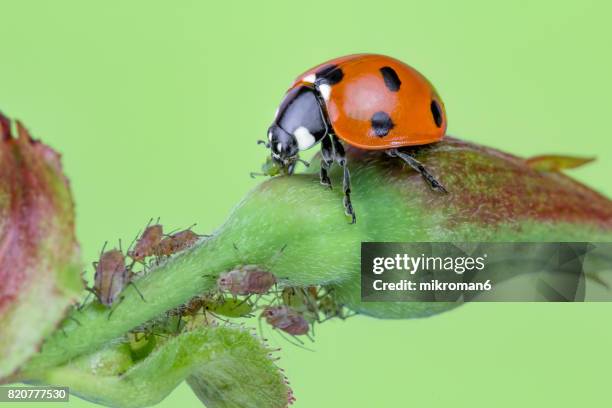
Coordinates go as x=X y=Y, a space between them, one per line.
x=156 y=107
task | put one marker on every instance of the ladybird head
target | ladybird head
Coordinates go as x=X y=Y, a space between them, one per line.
x=298 y=125
x=283 y=146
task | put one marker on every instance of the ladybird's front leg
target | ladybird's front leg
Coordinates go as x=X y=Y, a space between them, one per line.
x=291 y=168
x=340 y=157
x=327 y=159
x=416 y=165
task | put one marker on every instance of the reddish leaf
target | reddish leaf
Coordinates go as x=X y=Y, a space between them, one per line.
x=39 y=255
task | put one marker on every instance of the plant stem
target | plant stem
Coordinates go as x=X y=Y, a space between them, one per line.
x=296 y=229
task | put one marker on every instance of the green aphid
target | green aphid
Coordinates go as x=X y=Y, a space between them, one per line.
x=228 y=307
x=270 y=168
x=141 y=344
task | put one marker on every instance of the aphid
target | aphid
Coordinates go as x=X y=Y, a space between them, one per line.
x=111 y=277
x=189 y=309
x=215 y=305
x=192 y=307
x=227 y=307
x=147 y=243
x=330 y=307
x=246 y=280
x=286 y=319
x=269 y=168
x=371 y=102
x=303 y=300
x=142 y=343
x=273 y=168
x=177 y=242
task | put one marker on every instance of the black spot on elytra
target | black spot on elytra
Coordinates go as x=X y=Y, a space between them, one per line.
x=391 y=79
x=436 y=111
x=381 y=124
x=329 y=74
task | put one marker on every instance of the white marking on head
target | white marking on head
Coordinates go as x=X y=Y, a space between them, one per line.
x=270 y=135
x=304 y=138
x=310 y=78
x=325 y=91
x=279 y=145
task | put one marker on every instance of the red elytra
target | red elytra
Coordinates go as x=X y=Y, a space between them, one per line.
x=374 y=83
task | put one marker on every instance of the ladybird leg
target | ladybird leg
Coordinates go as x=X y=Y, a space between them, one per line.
x=340 y=157
x=327 y=159
x=291 y=168
x=416 y=165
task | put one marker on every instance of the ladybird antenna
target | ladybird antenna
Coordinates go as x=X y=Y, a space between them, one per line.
x=263 y=142
x=304 y=162
x=254 y=174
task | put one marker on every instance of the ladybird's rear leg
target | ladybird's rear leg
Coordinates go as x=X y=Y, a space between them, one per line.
x=340 y=157
x=416 y=165
x=327 y=159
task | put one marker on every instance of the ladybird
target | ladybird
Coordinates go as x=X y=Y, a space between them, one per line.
x=369 y=101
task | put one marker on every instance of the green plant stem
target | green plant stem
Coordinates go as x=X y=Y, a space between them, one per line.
x=194 y=272
x=321 y=247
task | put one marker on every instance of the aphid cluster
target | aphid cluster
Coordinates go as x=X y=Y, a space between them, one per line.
x=292 y=310
x=113 y=273
x=154 y=244
x=242 y=292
